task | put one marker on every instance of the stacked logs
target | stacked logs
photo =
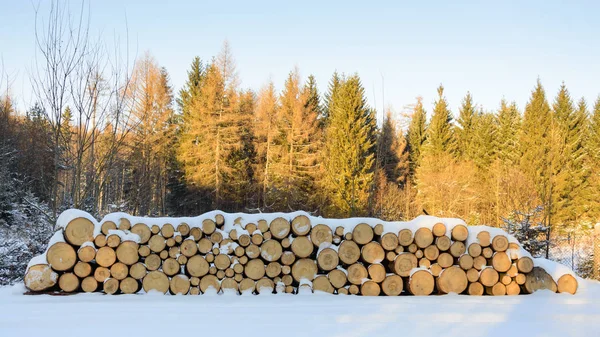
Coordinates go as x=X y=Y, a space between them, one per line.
x=285 y=256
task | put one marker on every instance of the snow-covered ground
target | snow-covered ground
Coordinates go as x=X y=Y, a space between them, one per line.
x=540 y=314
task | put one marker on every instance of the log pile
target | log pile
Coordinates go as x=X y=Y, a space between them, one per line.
x=286 y=253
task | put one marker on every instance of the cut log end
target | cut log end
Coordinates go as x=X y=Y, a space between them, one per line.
x=40 y=277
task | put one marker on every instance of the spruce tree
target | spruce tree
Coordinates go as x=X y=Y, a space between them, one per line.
x=330 y=96
x=191 y=88
x=312 y=99
x=593 y=158
x=483 y=145
x=392 y=151
x=350 y=149
x=439 y=133
x=416 y=134
x=465 y=128
x=509 y=126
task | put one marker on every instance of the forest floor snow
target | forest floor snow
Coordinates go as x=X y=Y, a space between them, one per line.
x=540 y=314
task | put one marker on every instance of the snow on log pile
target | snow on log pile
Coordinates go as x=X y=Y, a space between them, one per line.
x=291 y=253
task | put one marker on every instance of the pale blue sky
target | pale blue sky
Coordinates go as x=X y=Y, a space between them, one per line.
x=494 y=49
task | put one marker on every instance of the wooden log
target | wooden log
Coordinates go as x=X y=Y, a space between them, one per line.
x=500 y=243
x=339 y=231
x=144 y=251
x=196 y=233
x=106 y=226
x=155 y=229
x=376 y=272
x=204 y=246
x=475 y=289
x=465 y=262
x=164 y=255
x=238 y=268
x=348 y=252
x=287 y=279
x=212 y=270
x=392 y=285
x=435 y=269
x=302 y=246
x=452 y=280
x=460 y=233
x=484 y=238
x=362 y=234
x=336 y=240
x=179 y=285
x=86 y=253
x=255 y=269
x=113 y=241
x=320 y=234
x=405 y=237
x=474 y=249
x=244 y=259
x=124 y=224
x=501 y=262
x=487 y=252
x=257 y=239
x=419 y=254
x=100 y=240
x=399 y=249
x=390 y=256
x=157 y=243
x=197 y=266
x=488 y=277
x=443 y=243
x=421 y=283
x=101 y=274
x=143 y=231
x=62 y=257
x=194 y=291
x=230 y=285
x=424 y=263
x=265 y=286
x=353 y=289
x=327 y=259
x=106 y=257
x=423 y=237
x=378 y=229
x=271 y=250
x=342 y=291
x=479 y=262
x=431 y=253
x=280 y=228
x=208 y=227
x=78 y=231
x=188 y=248
x=513 y=250
x=357 y=273
x=472 y=275
x=138 y=271
x=183 y=229
x=287 y=258
x=220 y=220
x=111 y=286
x=301 y=225
x=82 y=269
x=321 y=283
x=222 y=261
x=253 y=251
x=404 y=263
x=89 y=284
x=127 y=253
x=273 y=269
x=210 y=283
x=239 y=277
x=525 y=265
x=337 y=278
x=439 y=229
x=167 y=230
x=40 y=277
x=370 y=288
x=262 y=226
x=247 y=286
x=499 y=289
x=520 y=279
x=217 y=237
x=372 y=252
x=119 y=271
x=348 y=236
x=129 y=286
x=513 y=270
x=505 y=279
x=513 y=289
x=389 y=241
x=251 y=228
x=152 y=262
x=170 y=267
x=304 y=269
x=239 y=251
x=445 y=260
x=567 y=284
x=457 y=249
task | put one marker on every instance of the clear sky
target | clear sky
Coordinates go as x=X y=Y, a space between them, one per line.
x=494 y=49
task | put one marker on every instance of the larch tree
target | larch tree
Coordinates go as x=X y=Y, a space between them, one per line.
x=350 y=149
x=416 y=134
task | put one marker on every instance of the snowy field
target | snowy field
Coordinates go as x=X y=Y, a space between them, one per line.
x=540 y=314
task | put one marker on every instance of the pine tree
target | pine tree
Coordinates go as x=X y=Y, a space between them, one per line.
x=416 y=134
x=509 y=126
x=439 y=133
x=350 y=149
x=568 y=156
x=465 y=128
